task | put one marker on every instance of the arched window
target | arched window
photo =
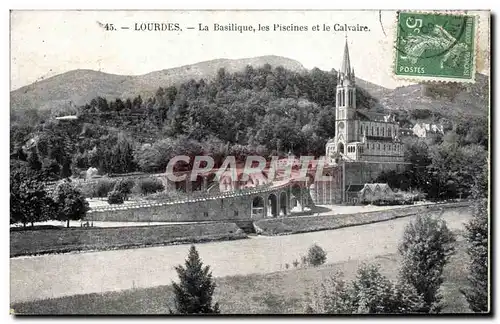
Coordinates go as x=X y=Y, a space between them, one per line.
x=338 y=99
x=373 y=132
x=383 y=131
x=366 y=130
x=378 y=146
x=389 y=132
x=343 y=97
x=384 y=147
x=377 y=131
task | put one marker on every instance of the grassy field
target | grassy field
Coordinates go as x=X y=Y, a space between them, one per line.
x=59 y=240
x=283 y=292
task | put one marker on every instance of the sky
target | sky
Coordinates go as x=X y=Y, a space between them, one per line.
x=47 y=43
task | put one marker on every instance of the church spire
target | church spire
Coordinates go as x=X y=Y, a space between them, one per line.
x=346 y=62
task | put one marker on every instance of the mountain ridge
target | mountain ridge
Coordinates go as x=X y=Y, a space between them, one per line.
x=78 y=87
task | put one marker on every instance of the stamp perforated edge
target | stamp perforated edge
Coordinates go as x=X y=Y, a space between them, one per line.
x=436 y=79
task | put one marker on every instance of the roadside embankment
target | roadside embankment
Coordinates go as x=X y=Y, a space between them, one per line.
x=62 y=240
x=302 y=224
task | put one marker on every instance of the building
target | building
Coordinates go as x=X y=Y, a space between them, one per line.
x=424 y=130
x=361 y=134
x=366 y=143
x=406 y=132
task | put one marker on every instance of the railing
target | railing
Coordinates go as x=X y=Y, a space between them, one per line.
x=193 y=198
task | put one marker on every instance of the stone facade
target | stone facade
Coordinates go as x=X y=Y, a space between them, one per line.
x=347 y=175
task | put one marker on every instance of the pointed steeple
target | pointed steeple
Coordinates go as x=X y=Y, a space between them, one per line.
x=346 y=62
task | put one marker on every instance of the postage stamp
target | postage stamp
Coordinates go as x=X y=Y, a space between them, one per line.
x=435 y=46
x=190 y=162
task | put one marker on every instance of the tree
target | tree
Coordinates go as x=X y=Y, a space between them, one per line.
x=477 y=231
x=51 y=170
x=34 y=161
x=426 y=248
x=149 y=185
x=29 y=201
x=103 y=187
x=193 y=294
x=71 y=204
x=66 y=168
x=124 y=187
x=115 y=197
x=316 y=255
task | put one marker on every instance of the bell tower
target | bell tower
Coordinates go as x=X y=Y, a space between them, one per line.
x=345 y=103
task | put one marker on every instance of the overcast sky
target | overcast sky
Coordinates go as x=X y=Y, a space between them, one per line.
x=46 y=43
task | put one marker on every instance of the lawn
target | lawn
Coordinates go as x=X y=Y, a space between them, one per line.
x=59 y=240
x=283 y=292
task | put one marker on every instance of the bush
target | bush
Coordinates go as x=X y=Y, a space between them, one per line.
x=115 y=197
x=333 y=297
x=371 y=292
x=316 y=255
x=124 y=186
x=103 y=187
x=149 y=185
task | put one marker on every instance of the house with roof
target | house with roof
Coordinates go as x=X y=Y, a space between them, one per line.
x=369 y=193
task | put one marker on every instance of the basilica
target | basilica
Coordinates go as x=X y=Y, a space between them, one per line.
x=361 y=135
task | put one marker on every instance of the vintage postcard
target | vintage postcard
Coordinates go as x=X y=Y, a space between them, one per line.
x=179 y=162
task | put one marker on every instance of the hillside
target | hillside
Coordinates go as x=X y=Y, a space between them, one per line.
x=78 y=87
x=445 y=98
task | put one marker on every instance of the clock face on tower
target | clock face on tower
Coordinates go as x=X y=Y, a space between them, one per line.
x=341 y=126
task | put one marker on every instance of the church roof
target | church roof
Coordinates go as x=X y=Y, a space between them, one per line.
x=354 y=188
x=375 y=186
x=369 y=186
x=364 y=114
x=346 y=62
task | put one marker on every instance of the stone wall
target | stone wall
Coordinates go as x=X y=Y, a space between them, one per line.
x=359 y=173
x=230 y=208
x=302 y=224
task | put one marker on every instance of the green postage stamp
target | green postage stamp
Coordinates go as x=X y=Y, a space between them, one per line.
x=435 y=47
